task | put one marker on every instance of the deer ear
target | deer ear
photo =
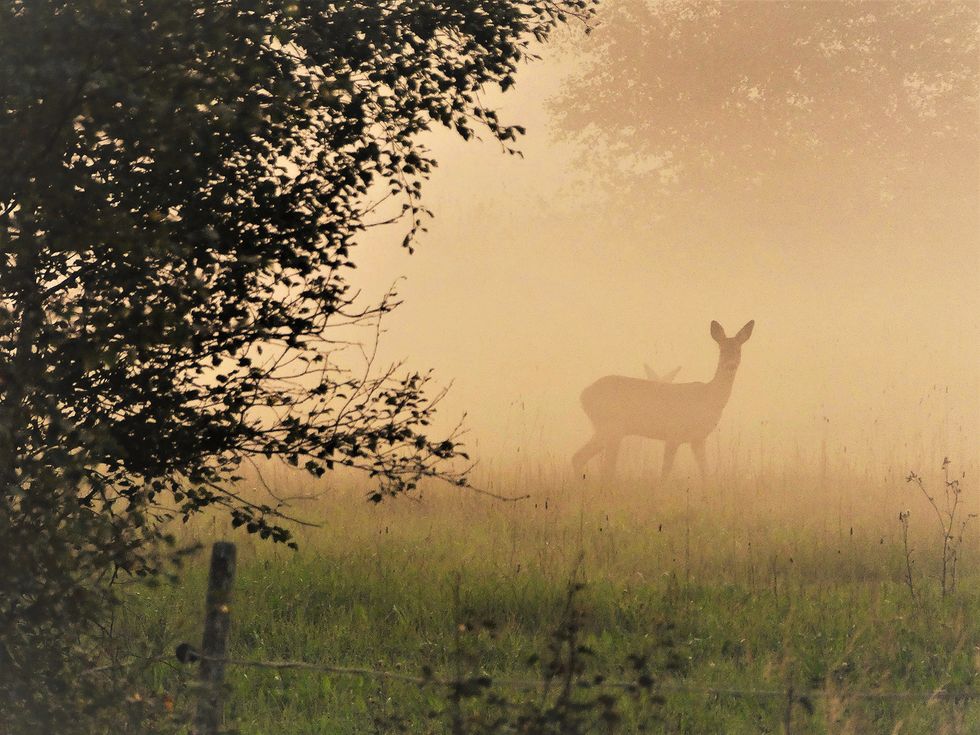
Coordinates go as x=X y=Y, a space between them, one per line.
x=669 y=377
x=745 y=332
x=717 y=332
x=651 y=373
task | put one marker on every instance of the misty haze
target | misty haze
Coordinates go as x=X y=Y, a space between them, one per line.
x=490 y=367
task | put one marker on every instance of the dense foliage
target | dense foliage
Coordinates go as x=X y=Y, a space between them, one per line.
x=182 y=186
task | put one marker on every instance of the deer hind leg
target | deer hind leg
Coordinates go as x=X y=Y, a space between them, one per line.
x=610 y=453
x=698 y=448
x=587 y=452
x=670 y=451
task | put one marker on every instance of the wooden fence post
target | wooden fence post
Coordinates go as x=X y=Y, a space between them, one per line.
x=217 y=622
x=788 y=714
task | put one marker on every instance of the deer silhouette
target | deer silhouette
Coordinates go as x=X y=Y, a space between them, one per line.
x=666 y=378
x=675 y=413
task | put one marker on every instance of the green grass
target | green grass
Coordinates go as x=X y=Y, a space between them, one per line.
x=754 y=586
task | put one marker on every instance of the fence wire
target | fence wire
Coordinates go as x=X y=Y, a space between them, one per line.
x=187 y=654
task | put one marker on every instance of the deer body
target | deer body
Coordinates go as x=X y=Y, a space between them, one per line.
x=675 y=413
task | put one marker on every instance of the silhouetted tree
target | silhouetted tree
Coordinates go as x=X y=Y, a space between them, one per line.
x=770 y=109
x=181 y=187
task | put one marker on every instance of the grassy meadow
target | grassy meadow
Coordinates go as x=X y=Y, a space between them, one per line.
x=751 y=581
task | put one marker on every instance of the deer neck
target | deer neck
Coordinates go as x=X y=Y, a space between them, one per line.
x=721 y=384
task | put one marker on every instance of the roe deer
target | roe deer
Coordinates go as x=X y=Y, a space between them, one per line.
x=676 y=413
x=652 y=374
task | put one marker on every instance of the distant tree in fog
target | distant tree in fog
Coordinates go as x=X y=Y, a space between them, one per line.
x=182 y=186
x=776 y=107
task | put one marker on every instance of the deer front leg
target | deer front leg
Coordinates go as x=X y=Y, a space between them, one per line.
x=670 y=451
x=698 y=448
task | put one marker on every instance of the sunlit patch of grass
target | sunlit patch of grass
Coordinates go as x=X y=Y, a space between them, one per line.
x=798 y=580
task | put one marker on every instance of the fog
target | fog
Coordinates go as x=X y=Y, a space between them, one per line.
x=535 y=278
